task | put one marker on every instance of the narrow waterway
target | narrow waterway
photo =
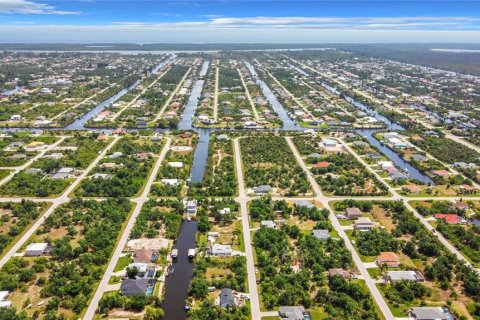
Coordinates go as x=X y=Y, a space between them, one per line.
x=389 y=153
x=192 y=103
x=369 y=135
x=200 y=155
x=393 y=156
x=11 y=91
x=288 y=123
x=79 y=124
x=176 y=284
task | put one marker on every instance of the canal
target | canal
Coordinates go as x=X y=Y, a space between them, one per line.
x=79 y=124
x=389 y=153
x=288 y=123
x=369 y=135
x=176 y=284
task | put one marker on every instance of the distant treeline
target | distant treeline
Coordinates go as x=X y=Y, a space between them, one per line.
x=158 y=46
x=422 y=54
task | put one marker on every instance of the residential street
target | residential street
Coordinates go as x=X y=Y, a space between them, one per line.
x=55 y=203
x=243 y=199
x=125 y=235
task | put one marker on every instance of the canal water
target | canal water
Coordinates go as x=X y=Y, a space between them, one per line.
x=79 y=124
x=176 y=284
x=288 y=123
x=369 y=135
x=189 y=111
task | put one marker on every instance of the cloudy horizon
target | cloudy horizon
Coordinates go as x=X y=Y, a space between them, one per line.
x=109 y=21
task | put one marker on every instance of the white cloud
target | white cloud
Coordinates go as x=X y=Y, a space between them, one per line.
x=173 y=34
x=367 y=23
x=166 y=14
x=30 y=7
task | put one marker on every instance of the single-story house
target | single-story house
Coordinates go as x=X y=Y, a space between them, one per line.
x=321 y=164
x=18 y=156
x=353 y=213
x=398 y=176
x=338 y=272
x=293 y=313
x=132 y=287
x=262 y=189
x=176 y=164
x=374 y=155
x=267 y=224
x=54 y=156
x=329 y=142
x=397 y=143
x=396 y=276
x=33 y=171
x=104 y=176
x=224 y=211
x=411 y=188
x=389 y=259
x=466 y=189
x=440 y=173
x=450 y=218
x=304 y=204
x=364 y=224
x=36 y=249
x=226 y=298
x=360 y=144
x=314 y=155
x=145 y=255
x=222 y=137
x=115 y=155
x=431 y=313
x=419 y=157
x=171 y=182
x=221 y=250
x=460 y=205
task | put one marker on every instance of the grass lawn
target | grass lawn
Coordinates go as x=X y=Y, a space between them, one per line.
x=122 y=263
x=270 y=318
x=374 y=272
x=318 y=313
x=397 y=311
x=113 y=280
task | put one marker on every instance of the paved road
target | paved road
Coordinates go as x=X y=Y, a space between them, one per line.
x=167 y=103
x=55 y=203
x=243 y=199
x=405 y=200
x=83 y=101
x=377 y=296
x=215 y=95
x=32 y=160
x=294 y=98
x=249 y=97
x=89 y=314
x=160 y=76
x=378 y=101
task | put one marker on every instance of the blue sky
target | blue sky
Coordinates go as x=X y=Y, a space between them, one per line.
x=239 y=21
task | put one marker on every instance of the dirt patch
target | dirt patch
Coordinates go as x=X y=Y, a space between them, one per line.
x=146 y=243
x=381 y=215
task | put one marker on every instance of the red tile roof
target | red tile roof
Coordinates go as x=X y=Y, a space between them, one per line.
x=449 y=218
x=322 y=164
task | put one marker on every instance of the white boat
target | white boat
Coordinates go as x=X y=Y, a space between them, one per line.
x=174 y=253
x=192 y=253
x=189 y=218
